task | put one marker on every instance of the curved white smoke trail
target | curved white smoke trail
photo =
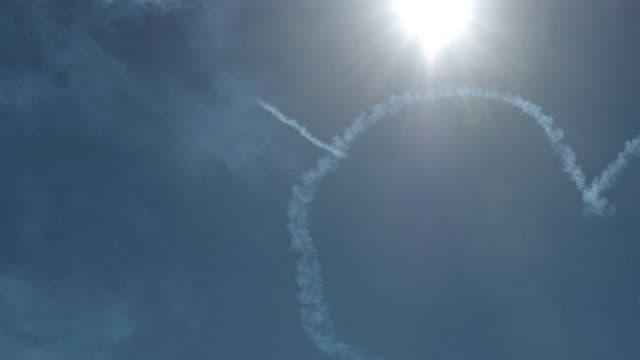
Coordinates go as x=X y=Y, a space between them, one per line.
x=316 y=320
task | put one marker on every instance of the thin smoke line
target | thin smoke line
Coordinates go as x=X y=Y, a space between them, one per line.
x=299 y=128
x=315 y=313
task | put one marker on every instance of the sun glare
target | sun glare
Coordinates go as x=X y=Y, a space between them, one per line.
x=434 y=22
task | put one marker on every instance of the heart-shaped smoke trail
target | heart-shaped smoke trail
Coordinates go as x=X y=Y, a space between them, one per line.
x=316 y=320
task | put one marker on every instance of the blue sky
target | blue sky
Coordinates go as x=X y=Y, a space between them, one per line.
x=145 y=192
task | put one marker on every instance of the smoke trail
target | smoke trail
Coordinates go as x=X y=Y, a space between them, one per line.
x=301 y=129
x=316 y=320
x=608 y=177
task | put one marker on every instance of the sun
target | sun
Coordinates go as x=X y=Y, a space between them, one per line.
x=435 y=22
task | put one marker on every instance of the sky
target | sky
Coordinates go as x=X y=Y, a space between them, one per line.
x=145 y=193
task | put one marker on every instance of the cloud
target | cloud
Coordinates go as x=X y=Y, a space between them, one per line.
x=97 y=99
x=59 y=322
x=149 y=83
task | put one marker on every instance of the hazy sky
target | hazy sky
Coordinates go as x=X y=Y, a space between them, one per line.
x=144 y=193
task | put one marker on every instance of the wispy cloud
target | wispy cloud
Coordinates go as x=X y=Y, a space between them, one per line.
x=59 y=322
x=84 y=73
x=72 y=75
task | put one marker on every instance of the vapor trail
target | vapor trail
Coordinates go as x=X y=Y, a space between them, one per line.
x=301 y=129
x=316 y=320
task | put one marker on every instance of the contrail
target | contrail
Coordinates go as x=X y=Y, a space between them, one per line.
x=301 y=129
x=315 y=313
